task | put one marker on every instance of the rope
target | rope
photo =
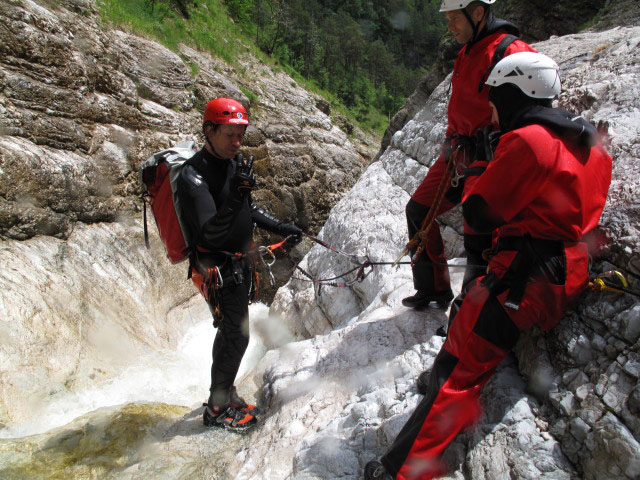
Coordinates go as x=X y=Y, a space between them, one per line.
x=601 y=282
x=144 y=217
x=363 y=268
x=360 y=276
x=353 y=258
x=420 y=238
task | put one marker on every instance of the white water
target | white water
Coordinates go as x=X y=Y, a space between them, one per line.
x=176 y=377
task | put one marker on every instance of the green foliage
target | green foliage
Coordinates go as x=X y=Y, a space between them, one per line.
x=369 y=53
x=240 y=10
x=366 y=55
x=144 y=91
x=181 y=5
x=250 y=94
x=204 y=25
x=195 y=69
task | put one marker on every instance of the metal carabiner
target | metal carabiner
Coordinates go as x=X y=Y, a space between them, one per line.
x=269 y=264
x=455 y=179
x=217 y=278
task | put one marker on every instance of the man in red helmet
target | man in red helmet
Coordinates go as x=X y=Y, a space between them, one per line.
x=486 y=40
x=539 y=207
x=214 y=194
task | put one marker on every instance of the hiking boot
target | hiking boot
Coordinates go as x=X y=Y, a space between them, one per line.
x=228 y=418
x=237 y=402
x=374 y=470
x=422 y=383
x=422 y=299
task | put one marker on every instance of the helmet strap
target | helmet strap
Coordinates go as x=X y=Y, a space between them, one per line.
x=474 y=26
x=205 y=127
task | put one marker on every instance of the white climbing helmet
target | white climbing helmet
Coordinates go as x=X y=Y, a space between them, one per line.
x=450 y=5
x=534 y=73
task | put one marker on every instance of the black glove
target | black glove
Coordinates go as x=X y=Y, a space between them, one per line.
x=291 y=231
x=243 y=179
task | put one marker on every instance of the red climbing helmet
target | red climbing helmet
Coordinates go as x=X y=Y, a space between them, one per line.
x=225 y=110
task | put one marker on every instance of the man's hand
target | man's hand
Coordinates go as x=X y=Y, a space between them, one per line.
x=243 y=180
x=291 y=231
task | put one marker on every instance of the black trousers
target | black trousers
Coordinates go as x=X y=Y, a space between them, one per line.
x=229 y=305
x=231 y=340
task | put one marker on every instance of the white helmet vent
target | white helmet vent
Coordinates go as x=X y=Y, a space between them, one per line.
x=535 y=74
x=515 y=73
x=450 y=5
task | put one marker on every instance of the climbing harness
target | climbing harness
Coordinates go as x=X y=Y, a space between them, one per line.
x=231 y=271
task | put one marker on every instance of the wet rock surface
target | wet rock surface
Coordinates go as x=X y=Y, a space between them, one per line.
x=82 y=105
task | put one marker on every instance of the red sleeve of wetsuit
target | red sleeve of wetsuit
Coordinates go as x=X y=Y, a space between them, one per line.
x=519 y=46
x=512 y=180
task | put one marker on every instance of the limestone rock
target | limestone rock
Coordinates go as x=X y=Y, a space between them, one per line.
x=79 y=302
x=75 y=312
x=81 y=108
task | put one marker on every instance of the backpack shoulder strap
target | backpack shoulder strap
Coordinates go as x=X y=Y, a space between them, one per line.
x=196 y=162
x=498 y=55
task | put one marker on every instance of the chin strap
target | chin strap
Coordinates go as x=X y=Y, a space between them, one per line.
x=474 y=26
x=207 y=141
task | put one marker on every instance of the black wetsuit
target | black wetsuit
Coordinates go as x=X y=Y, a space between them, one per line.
x=220 y=222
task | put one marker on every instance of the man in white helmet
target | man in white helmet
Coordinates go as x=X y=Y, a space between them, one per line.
x=544 y=190
x=485 y=39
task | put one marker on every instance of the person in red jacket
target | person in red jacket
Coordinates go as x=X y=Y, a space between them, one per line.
x=486 y=39
x=544 y=189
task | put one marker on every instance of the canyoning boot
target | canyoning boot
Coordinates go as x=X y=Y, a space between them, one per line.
x=237 y=402
x=228 y=418
x=374 y=470
x=422 y=299
x=422 y=383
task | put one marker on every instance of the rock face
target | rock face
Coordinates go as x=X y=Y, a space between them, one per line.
x=540 y=19
x=617 y=12
x=76 y=311
x=80 y=108
x=575 y=416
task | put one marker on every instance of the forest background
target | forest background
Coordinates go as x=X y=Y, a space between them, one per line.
x=364 y=56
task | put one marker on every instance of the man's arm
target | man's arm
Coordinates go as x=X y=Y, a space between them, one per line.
x=264 y=219
x=510 y=182
x=479 y=215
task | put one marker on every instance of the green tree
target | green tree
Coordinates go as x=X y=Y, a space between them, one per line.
x=370 y=53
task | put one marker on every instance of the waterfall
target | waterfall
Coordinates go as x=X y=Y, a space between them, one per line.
x=175 y=377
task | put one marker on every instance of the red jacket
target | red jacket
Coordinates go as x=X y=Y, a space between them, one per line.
x=468 y=109
x=542 y=185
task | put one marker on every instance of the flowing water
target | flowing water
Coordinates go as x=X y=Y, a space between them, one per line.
x=175 y=377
